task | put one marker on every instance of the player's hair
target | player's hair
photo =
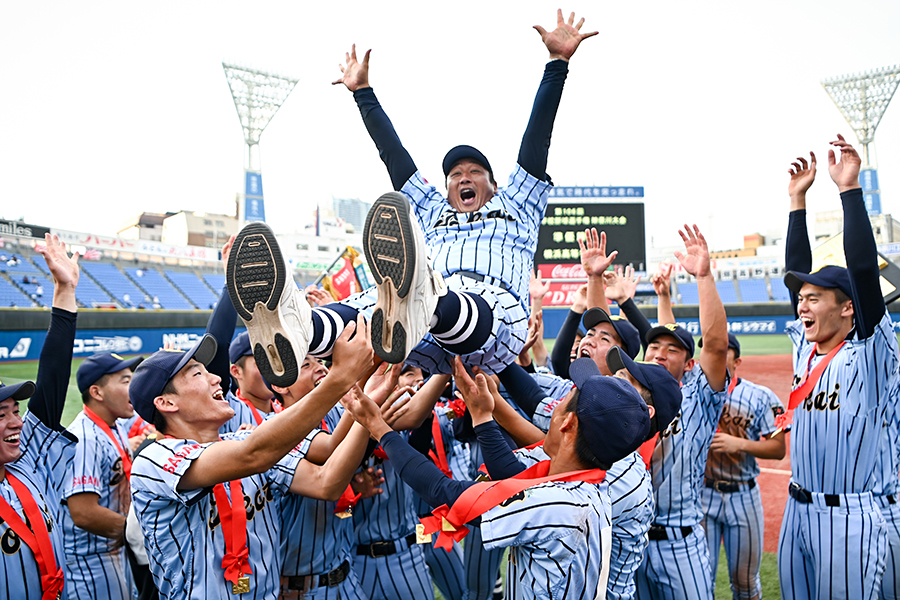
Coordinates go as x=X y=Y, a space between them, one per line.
x=582 y=450
x=159 y=419
x=840 y=296
x=648 y=400
x=240 y=362
x=86 y=394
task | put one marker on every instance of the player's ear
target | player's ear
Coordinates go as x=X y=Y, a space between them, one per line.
x=165 y=404
x=570 y=422
x=95 y=392
x=737 y=363
x=689 y=365
x=847 y=309
x=236 y=372
x=651 y=410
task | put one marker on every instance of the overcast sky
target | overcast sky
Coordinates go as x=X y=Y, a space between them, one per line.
x=109 y=109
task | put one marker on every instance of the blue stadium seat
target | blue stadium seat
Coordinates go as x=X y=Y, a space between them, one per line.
x=159 y=288
x=12 y=296
x=194 y=288
x=727 y=292
x=779 y=292
x=216 y=282
x=753 y=290
x=22 y=267
x=116 y=283
x=688 y=291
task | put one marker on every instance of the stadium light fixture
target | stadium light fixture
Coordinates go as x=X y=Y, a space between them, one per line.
x=257 y=97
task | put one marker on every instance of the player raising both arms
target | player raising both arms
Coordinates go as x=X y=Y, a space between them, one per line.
x=833 y=537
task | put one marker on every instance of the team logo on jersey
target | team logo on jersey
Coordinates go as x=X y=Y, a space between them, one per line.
x=118 y=473
x=777 y=411
x=735 y=420
x=520 y=497
x=252 y=505
x=10 y=542
x=823 y=401
x=451 y=218
x=674 y=427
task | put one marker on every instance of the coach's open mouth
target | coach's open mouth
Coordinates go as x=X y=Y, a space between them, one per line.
x=466 y=194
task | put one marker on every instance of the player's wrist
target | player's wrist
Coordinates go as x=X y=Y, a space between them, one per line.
x=847 y=188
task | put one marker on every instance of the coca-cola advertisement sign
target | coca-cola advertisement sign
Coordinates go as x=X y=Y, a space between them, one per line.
x=561 y=271
x=562 y=293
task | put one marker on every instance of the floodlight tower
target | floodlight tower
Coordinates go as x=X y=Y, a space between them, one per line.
x=257 y=97
x=862 y=98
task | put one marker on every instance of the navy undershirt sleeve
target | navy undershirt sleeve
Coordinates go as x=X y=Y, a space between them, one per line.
x=221 y=326
x=562 y=348
x=399 y=163
x=797 y=253
x=54 y=371
x=522 y=388
x=499 y=460
x=420 y=474
x=536 y=140
x=636 y=318
x=862 y=264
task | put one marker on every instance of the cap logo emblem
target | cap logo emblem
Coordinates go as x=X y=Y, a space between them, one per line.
x=117 y=357
x=670 y=326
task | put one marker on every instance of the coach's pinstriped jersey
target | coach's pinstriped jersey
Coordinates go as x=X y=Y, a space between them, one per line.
x=242 y=415
x=313 y=540
x=97 y=469
x=498 y=240
x=388 y=516
x=552 y=531
x=679 y=459
x=631 y=496
x=749 y=413
x=182 y=530
x=887 y=461
x=836 y=431
x=44 y=463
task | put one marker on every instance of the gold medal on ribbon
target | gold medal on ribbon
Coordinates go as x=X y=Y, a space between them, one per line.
x=421 y=536
x=242 y=586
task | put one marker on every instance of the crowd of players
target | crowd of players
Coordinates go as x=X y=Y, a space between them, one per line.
x=410 y=436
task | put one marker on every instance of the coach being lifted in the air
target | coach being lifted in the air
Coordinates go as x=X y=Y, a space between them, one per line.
x=482 y=240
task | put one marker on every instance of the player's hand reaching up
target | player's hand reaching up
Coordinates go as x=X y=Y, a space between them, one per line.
x=64 y=269
x=564 y=40
x=537 y=288
x=594 y=260
x=475 y=392
x=661 y=281
x=355 y=74
x=365 y=412
x=352 y=356
x=695 y=258
x=620 y=286
x=846 y=172
x=803 y=174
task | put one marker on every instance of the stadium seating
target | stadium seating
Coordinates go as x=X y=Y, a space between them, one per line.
x=216 y=282
x=22 y=267
x=10 y=295
x=117 y=284
x=88 y=293
x=159 y=289
x=753 y=290
x=688 y=292
x=727 y=291
x=193 y=287
x=779 y=292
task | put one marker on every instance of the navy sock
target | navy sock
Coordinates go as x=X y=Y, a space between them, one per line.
x=464 y=322
x=328 y=323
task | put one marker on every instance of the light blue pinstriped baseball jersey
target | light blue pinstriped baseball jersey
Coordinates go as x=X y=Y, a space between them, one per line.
x=835 y=433
x=679 y=458
x=44 y=463
x=552 y=531
x=96 y=468
x=182 y=531
x=242 y=415
x=390 y=515
x=499 y=240
x=749 y=413
x=555 y=390
x=888 y=457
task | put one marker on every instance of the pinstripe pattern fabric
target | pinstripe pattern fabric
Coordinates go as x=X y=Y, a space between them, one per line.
x=737 y=519
x=482 y=566
x=888 y=464
x=675 y=569
x=45 y=461
x=447 y=571
x=498 y=240
x=182 y=531
x=835 y=434
x=890 y=581
x=400 y=576
x=826 y=552
x=104 y=576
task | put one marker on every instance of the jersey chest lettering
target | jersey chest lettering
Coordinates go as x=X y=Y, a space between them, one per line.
x=674 y=427
x=824 y=400
x=252 y=506
x=739 y=421
x=172 y=464
x=451 y=218
x=10 y=542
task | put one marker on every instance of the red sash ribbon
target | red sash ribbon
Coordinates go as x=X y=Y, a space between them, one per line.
x=347 y=500
x=439 y=454
x=256 y=416
x=805 y=389
x=126 y=458
x=139 y=427
x=647 y=448
x=233 y=517
x=732 y=384
x=449 y=522
x=38 y=540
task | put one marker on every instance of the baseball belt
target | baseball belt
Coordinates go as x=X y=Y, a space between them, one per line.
x=659 y=533
x=728 y=487
x=329 y=579
x=378 y=549
x=806 y=497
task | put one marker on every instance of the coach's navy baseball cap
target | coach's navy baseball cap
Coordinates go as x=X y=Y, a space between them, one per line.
x=240 y=346
x=733 y=343
x=462 y=153
x=152 y=375
x=16 y=391
x=677 y=331
x=829 y=276
x=613 y=416
x=628 y=333
x=96 y=366
x=665 y=389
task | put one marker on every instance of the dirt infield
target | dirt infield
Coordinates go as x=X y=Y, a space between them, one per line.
x=774 y=372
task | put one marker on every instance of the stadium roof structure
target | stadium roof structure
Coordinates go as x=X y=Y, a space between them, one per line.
x=862 y=98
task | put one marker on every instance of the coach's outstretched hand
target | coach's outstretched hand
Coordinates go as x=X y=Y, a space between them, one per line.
x=845 y=173
x=355 y=73
x=64 y=269
x=695 y=258
x=562 y=42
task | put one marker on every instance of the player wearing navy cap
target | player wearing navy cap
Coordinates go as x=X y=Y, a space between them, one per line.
x=208 y=508
x=602 y=420
x=833 y=538
x=676 y=563
x=96 y=496
x=36 y=451
x=731 y=501
x=252 y=398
